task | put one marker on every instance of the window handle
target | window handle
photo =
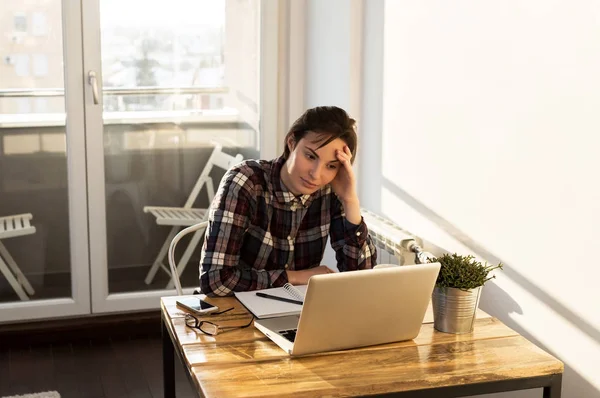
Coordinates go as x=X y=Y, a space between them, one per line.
x=93 y=81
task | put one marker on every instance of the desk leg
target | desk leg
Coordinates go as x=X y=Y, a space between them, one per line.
x=168 y=352
x=554 y=389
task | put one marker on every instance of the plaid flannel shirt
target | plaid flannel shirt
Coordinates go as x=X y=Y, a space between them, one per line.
x=257 y=229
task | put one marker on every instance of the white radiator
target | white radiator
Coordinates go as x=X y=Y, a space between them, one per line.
x=394 y=245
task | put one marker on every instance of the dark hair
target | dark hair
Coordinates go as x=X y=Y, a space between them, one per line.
x=329 y=122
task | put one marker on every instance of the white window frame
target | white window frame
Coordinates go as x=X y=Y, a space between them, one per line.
x=79 y=302
x=288 y=64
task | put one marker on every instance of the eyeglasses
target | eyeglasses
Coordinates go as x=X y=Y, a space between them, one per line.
x=209 y=328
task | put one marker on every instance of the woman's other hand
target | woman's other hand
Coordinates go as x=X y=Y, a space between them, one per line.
x=302 y=277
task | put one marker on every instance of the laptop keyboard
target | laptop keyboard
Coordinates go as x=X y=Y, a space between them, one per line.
x=289 y=334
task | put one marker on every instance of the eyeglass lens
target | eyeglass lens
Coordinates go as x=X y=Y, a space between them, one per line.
x=209 y=328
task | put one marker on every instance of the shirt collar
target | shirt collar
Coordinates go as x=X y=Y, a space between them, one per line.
x=281 y=192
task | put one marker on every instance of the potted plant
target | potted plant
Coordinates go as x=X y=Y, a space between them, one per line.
x=457 y=291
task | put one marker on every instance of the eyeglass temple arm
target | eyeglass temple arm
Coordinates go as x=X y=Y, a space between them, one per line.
x=237 y=327
x=171 y=253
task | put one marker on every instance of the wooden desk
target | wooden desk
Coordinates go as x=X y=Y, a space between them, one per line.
x=245 y=363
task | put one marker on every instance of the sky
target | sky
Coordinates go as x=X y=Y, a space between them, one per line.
x=144 y=13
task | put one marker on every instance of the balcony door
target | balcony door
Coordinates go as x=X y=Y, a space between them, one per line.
x=44 y=254
x=164 y=87
x=108 y=106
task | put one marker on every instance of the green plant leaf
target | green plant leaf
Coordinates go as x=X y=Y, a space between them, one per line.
x=463 y=272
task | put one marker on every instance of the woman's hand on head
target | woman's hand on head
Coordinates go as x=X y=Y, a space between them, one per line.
x=344 y=183
x=344 y=186
x=302 y=277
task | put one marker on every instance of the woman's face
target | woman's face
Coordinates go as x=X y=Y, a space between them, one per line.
x=307 y=168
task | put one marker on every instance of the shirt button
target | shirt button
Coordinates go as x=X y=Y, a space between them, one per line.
x=358 y=234
x=286 y=266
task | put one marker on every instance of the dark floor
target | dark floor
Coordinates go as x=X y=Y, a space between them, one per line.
x=128 y=367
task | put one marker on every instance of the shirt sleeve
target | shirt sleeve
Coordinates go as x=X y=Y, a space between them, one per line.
x=230 y=214
x=354 y=248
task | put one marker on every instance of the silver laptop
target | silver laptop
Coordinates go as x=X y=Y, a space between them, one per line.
x=356 y=309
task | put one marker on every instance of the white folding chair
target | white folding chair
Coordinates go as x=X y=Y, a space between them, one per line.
x=10 y=227
x=179 y=217
x=399 y=245
x=171 y=256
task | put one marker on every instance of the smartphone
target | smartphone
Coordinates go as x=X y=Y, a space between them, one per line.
x=196 y=306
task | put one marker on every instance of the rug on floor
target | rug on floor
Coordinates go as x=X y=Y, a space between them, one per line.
x=45 y=394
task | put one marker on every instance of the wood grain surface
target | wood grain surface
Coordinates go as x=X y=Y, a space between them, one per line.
x=244 y=363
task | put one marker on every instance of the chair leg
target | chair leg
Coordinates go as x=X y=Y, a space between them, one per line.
x=161 y=255
x=186 y=256
x=16 y=270
x=12 y=280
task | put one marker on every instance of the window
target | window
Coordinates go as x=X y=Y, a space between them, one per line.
x=21 y=62
x=20 y=20
x=40 y=65
x=38 y=24
x=177 y=44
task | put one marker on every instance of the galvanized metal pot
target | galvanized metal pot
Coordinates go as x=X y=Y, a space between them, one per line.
x=454 y=309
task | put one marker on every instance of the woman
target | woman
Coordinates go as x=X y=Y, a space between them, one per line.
x=270 y=220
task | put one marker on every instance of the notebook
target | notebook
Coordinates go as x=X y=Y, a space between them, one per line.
x=268 y=308
x=356 y=309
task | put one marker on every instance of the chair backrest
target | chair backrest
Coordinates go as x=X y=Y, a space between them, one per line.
x=171 y=253
x=217 y=158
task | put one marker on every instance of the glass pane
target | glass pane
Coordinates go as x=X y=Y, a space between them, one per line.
x=33 y=162
x=178 y=78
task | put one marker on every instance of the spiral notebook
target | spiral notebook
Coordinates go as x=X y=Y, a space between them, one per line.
x=268 y=308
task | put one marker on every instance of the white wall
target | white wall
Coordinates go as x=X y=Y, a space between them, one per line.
x=490 y=145
x=480 y=132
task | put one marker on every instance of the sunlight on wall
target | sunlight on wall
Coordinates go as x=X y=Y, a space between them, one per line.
x=489 y=146
x=528 y=313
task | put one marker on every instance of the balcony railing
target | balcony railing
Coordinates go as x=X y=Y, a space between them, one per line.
x=119 y=116
x=146 y=90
